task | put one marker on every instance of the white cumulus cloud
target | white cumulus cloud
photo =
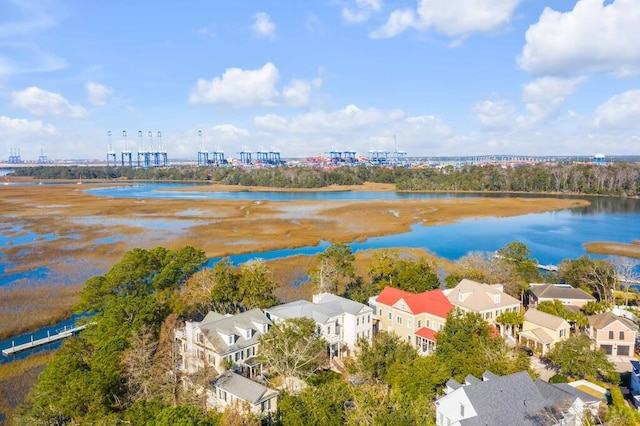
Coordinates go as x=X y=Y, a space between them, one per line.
x=595 y=36
x=620 y=110
x=544 y=97
x=98 y=94
x=452 y=18
x=238 y=87
x=43 y=103
x=495 y=115
x=10 y=127
x=362 y=11
x=229 y=131
x=263 y=27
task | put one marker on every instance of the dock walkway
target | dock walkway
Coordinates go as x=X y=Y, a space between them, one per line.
x=34 y=343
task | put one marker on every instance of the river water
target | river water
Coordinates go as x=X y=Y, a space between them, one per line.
x=551 y=236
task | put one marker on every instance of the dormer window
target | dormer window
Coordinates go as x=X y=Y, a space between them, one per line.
x=496 y=298
x=249 y=333
x=403 y=306
x=460 y=297
x=231 y=339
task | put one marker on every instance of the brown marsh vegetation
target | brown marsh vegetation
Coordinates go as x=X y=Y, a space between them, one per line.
x=94 y=231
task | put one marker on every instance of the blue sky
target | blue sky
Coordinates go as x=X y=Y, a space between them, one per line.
x=444 y=77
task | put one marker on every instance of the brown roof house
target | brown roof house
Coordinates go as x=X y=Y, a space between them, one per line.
x=541 y=331
x=613 y=334
x=487 y=300
x=563 y=292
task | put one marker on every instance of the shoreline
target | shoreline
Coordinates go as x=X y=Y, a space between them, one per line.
x=92 y=232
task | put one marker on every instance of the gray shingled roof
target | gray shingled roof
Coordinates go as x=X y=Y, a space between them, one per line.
x=328 y=306
x=304 y=308
x=243 y=388
x=512 y=400
x=346 y=305
x=214 y=323
x=559 y=291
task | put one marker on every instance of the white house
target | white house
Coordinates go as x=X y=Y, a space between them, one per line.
x=233 y=390
x=342 y=322
x=220 y=341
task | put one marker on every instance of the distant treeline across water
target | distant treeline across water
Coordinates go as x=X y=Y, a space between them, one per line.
x=617 y=179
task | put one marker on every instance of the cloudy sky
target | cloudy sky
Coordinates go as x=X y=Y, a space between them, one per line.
x=444 y=77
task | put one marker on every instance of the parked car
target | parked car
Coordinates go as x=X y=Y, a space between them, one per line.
x=526 y=350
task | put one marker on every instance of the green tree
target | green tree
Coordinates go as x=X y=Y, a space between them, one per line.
x=598 y=276
x=334 y=269
x=256 y=285
x=315 y=405
x=469 y=345
x=512 y=319
x=518 y=256
x=293 y=348
x=376 y=358
x=574 y=357
x=555 y=307
x=388 y=269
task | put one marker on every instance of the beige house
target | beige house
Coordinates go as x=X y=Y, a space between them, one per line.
x=540 y=330
x=615 y=335
x=487 y=300
x=566 y=294
x=414 y=317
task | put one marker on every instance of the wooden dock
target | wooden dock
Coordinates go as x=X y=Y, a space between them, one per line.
x=34 y=343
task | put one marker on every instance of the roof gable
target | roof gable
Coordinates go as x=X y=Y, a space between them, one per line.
x=606 y=319
x=544 y=319
x=432 y=302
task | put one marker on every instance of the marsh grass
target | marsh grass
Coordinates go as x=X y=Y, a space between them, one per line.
x=614 y=249
x=16 y=379
x=220 y=228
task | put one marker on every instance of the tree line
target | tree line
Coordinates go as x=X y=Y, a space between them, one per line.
x=618 y=179
x=123 y=369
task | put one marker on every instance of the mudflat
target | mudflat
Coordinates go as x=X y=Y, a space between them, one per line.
x=81 y=234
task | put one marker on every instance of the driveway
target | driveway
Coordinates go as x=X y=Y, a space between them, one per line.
x=545 y=372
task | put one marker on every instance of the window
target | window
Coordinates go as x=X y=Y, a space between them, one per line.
x=369 y=319
x=409 y=323
x=427 y=324
x=419 y=323
x=496 y=298
x=611 y=335
x=498 y=312
x=563 y=333
x=399 y=319
x=357 y=322
x=328 y=329
x=489 y=315
x=200 y=338
x=389 y=315
x=223 y=395
x=231 y=339
x=461 y=410
x=249 y=333
x=403 y=306
x=621 y=335
x=238 y=356
x=409 y=339
x=265 y=405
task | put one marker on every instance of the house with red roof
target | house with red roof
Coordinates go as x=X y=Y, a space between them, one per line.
x=416 y=318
